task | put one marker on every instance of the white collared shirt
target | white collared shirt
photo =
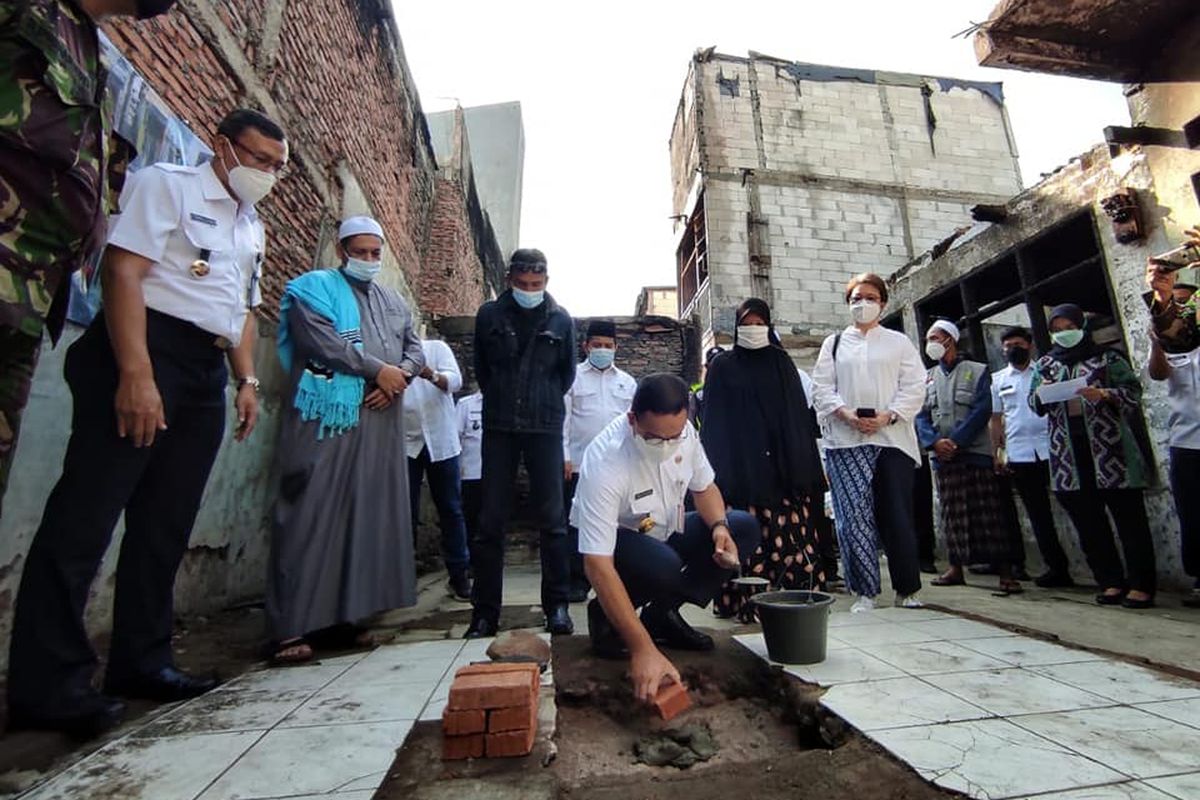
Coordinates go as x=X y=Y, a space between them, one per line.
x=593 y=400
x=1026 y=435
x=429 y=418
x=1183 y=396
x=880 y=370
x=174 y=216
x=470 y=436
x=618 y=487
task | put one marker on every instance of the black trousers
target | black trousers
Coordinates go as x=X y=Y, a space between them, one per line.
x=922 y=505
x=1185 y=485
x=543 y=457
x=158 y=488
x=681 y=569
x=577 y=576
x=893 y=490
x=472 y=506
x=1086 y=508
x=1032 y=482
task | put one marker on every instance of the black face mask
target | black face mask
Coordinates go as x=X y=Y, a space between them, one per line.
x=152 y=8
x=1018 y=356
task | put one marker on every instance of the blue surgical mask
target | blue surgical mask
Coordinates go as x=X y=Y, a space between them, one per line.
x=1067 y=338
x=362 y=270
x=601 y=357
x=528 y=299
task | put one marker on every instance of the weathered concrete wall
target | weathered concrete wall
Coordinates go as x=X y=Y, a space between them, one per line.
x=811 y=174
x=1077 y=187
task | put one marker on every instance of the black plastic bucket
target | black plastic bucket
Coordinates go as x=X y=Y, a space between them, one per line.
x=795 y=624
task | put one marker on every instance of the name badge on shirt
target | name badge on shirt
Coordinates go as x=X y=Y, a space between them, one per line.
x=646 y=493
x=203 y=220
x=1008 y=389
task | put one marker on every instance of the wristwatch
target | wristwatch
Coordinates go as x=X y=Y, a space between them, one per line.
x=895 y=418
x=250 y=380
x=723 y=521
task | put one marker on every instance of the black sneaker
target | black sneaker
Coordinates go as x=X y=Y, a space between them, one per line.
x=459 y=587
x=1053 y=580
x=85 y=716
x=668 y=628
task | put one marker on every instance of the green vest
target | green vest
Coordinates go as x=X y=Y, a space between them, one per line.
x=948 y=397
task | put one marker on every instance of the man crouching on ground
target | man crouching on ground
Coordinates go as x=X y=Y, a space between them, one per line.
x=640 y=550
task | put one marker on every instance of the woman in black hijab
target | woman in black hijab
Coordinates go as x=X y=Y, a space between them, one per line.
x=759 y=435
x=1095 y=460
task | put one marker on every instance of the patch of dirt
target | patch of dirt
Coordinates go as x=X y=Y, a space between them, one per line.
x=511 y=618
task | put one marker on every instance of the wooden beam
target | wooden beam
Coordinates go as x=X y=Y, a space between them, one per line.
x=1009 y=51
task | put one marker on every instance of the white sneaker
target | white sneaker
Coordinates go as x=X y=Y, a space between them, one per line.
x=908 y=601
x=863 y=603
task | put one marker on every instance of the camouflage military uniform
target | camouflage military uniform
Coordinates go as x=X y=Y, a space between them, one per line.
x=53 y=130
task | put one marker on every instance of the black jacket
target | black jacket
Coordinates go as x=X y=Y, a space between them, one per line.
x=523 y=387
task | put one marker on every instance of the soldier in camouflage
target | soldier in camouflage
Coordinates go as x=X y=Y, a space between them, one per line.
x=54 y=142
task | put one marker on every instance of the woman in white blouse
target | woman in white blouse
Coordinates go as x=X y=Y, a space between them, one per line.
x=868 y=387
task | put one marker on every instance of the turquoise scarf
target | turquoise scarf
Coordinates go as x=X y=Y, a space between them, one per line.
x=334 y=398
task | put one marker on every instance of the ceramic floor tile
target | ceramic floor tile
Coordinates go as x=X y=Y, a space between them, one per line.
x=1122 y=682
x=229 y=710
x=149 y=769
x=1133 y=790
x=934 y=658
x=357 y=794
x=1008 y=692
x=844 y=619
x=955 y=629
x=1138 y=744
x=844 y=666
x=992 y=759
x=1182 y=787
x=896 y=703
x=1185 y=711
x=1022 y=651
x=342 y=703
x=755 y=643
x=872 y=636
x=398 y=665
x=301 y=761
x=285 y=679
x=894 y=614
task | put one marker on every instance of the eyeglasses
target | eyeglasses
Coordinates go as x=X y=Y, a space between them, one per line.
x=662 y=441
x=261 y=160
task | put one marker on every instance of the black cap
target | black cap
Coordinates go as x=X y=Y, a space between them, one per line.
x=602 y=327
x=527 y=260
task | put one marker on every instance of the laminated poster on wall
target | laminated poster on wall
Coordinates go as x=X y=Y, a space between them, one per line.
x=144 y=121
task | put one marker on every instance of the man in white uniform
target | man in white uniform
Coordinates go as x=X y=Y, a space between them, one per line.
x=148 y=379
x=601 y=391
x=640 y=549
x=432 y=446
x=469 y=410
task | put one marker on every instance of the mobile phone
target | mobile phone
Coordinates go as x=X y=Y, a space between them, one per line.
x=864 y=412
x=1176 y=259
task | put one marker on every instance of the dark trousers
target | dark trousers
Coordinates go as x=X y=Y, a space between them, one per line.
x=472 y=506
x=577 y=576
x=1086 y=508
x=1032 y=482
x=826 y=539
x=1185 y=485
x=543 y=457
x=893 y=490
x=18 y=360
x=681 y=569
x=922 y=505
x=447 y=498
x=159 y=489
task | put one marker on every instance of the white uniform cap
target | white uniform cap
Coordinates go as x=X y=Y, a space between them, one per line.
x=356 y=226
x=947 y=326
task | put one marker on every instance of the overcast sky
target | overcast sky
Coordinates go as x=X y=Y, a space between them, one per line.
x=599 y=84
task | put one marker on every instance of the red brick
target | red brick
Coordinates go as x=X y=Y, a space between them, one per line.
x=461 y=723
x=490 y=690
x=456 y=748
x=511 y=744
x=499 y=667
x=518 y=718
x=672 y=700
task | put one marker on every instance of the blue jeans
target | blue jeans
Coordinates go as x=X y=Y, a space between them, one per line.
x=444 y=487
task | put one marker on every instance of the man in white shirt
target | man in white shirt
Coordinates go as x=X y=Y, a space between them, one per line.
x=1025 y=439
x=1182 y=373
x=601 y=391
x=432 y=445
x=148 y=379
x=469 y=411
x=640 y=549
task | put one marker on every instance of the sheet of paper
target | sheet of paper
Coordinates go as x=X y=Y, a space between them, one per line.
x=1061 y=392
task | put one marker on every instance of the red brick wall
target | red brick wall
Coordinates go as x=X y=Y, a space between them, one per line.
x=452 y=279
x=341 y=98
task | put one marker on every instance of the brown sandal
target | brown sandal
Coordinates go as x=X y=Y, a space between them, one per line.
x=945 y=580
x=290 y=652
x=1010 y=587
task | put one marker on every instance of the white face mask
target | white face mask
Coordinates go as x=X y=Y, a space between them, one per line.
x=935 y=350
x=656 y=451
x=753 y=337
x=864 y=311
x=362 y=270
x=250 y=185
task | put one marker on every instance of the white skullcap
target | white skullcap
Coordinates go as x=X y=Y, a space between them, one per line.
x=945 y=325
x=357 y=226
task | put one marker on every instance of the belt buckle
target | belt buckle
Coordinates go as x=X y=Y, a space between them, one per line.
x=222 y=343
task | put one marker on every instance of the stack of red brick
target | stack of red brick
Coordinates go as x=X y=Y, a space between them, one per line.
x=492 y=711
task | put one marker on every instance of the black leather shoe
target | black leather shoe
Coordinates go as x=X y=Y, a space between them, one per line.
x=1053 y=580
x=81 y=717
x=1110 y=599
x=558 y=620
x=606 y=642
x=928 y=567
x=667 y=627
x=165 y=686
x=481 y=628
x=460 y=587
x=1129 y=602
x=579 y=592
